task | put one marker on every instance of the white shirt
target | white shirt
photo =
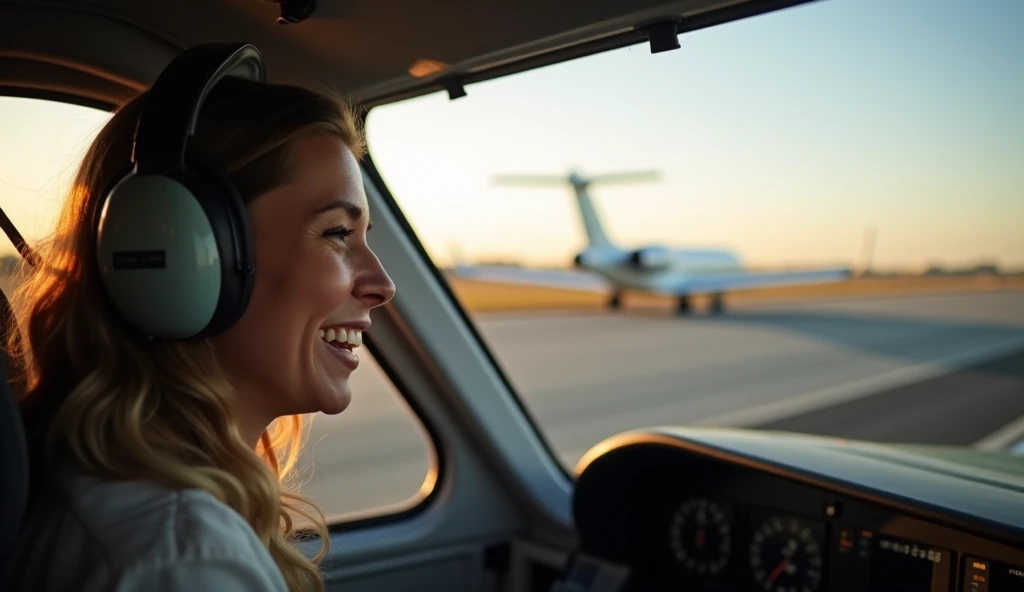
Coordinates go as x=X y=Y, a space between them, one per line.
x=93 y=536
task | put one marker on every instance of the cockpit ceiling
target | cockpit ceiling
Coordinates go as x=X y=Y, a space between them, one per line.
x=105 y=50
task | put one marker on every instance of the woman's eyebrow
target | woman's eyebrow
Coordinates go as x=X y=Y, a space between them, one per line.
x=354 y=211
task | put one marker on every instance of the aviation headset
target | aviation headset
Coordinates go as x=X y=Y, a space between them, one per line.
x=174 y=244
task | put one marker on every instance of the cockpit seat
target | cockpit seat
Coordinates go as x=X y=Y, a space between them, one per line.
x=14 y=469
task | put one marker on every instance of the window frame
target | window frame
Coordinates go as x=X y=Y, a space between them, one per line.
x=455 y=82
x=433 y=366
x=370 y=168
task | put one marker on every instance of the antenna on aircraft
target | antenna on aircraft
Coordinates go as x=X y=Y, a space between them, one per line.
x=868 y=249
x=455 y=253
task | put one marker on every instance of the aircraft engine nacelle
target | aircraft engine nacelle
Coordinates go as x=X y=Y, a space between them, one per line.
x=593 y=258
x=651 y=258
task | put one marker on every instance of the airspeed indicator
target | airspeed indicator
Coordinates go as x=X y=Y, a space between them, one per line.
x=786 y=556
x=700 y=535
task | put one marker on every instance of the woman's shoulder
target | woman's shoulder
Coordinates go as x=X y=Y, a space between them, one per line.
x=141 y=521
x=136 y=535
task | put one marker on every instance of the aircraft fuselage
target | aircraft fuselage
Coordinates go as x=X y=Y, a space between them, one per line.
x=655 y=268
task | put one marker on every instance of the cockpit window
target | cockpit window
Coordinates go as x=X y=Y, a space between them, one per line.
x=811 y=220
x=41 y=146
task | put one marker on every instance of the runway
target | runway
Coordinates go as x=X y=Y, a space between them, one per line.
x=941 y=368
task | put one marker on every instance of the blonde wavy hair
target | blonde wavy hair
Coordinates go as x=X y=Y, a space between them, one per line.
x=121 y=406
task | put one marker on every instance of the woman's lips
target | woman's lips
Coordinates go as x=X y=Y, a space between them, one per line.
x=343 y=352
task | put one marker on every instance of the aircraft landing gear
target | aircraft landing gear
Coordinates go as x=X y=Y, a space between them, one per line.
x=717 y=304
x=683 y=307
x=615 y=301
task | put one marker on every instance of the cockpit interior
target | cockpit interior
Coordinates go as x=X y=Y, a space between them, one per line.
x=494 y=501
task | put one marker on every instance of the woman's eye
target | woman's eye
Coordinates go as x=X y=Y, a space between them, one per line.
x=338 y=232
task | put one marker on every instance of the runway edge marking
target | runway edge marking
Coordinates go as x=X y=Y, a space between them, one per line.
x=1004 y=437
x=858 y=389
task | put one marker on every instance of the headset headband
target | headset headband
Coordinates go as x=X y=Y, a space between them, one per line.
x=169 y=115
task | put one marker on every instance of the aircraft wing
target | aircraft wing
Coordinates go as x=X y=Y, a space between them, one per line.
x=545 y=278
x=726 y=282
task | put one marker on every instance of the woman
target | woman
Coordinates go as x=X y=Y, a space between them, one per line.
x=164 y=461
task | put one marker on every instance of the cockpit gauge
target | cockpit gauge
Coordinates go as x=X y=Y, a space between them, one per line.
x=786 y=555
x=700 y=535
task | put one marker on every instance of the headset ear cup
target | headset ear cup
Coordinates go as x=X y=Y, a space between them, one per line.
x=158 y=257
x=229 y=219
x=177 y=259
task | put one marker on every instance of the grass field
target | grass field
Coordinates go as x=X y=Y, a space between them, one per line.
x=480 y=296
x=485 y=296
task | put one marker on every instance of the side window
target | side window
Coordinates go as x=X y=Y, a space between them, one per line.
x=372 y=458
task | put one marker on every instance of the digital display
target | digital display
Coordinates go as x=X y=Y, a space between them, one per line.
x=905 y=566
x=983 y=575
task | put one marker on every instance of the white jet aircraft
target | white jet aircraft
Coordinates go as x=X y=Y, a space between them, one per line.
x=655 y=269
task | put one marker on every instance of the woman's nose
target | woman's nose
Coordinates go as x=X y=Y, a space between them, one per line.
x=375 y=286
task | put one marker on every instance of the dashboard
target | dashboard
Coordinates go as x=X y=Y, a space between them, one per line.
x=735 y=511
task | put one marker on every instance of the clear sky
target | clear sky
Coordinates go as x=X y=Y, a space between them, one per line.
x=782 y=136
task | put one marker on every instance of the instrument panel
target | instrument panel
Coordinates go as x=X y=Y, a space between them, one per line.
x=683 y=518
x=783 y=552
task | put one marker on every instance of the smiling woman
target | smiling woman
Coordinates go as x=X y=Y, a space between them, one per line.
x=147 y=405
x=340 y=468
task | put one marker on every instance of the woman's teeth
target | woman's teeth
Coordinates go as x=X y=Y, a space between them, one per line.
x=342 y=336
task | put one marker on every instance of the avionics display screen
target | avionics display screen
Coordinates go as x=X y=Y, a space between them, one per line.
x=905 y=566
x=983 y=575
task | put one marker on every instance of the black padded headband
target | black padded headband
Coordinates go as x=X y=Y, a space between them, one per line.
x=171 y=109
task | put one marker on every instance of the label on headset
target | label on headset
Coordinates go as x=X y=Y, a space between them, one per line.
x=140 y=260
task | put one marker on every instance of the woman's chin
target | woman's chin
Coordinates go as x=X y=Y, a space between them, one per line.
x=335 y=402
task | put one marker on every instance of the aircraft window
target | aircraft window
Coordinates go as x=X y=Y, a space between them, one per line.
x=349 y=466
x=863 y=138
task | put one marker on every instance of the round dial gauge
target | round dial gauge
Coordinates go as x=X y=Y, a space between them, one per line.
x=700 y=535
x=785 y=556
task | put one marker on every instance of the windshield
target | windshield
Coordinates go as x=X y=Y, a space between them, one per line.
x=811 y=220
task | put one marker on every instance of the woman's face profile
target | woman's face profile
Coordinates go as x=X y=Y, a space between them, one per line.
x=316 y=279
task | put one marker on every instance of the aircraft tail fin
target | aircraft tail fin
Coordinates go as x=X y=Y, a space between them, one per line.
x=592 y=225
